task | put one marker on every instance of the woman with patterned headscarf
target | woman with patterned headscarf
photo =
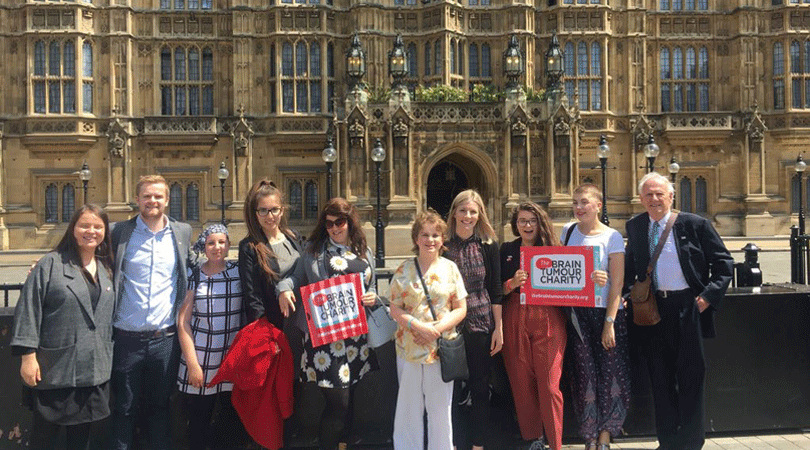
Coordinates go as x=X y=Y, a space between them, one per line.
x=208 y=321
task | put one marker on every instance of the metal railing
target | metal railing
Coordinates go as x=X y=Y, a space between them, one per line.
x=8 y=287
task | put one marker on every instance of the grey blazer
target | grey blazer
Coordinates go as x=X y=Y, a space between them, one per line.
x=55 y=316
x=122 y=231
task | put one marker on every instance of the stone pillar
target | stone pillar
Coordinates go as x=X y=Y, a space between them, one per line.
x=242 y=164
x=120 y=185
x=758 y=221
x=4 y=239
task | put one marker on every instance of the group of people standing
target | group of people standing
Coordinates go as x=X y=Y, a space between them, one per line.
x=130 y=311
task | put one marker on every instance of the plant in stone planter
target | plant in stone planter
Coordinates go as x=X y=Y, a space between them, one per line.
x=482 y=93
x=535 y=95
x=440 y=93
x=378 y=94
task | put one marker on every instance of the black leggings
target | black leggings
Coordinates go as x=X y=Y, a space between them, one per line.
x=44 y=435
x=336 y=419
x=226 y=432
x=479 y=362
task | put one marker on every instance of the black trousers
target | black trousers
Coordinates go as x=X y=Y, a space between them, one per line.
x=674 y=352
x=44 y=435
x=479 y=363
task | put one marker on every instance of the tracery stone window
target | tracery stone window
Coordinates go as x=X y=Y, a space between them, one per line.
x=479 y=62
x=427 y=58
x=301 y=76
x=60 y=197
x=184 y=201
x=302 y=193
x=479 y=2
x=185 y=4
x=693 y=201
x=800 y=73
x=437 y=55
x=583 y=74
x=684 y=79
x=186 y=81
x=54 y=79
x=684 y=5
x=778 y=76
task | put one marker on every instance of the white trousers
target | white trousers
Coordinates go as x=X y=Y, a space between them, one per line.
x=421 y=389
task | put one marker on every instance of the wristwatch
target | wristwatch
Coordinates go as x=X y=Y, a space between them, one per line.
x=609 y=319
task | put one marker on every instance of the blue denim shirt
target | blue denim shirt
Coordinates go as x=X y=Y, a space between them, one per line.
x=149 y=280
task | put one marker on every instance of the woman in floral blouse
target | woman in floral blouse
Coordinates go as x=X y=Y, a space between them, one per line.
x=420 y=382
x=337 y=247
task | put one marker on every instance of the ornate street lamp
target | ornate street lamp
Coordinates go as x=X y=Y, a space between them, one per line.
x=513 y=62
x=603 y=151
x=355 y=62
x=378 y=156
x=554 y=64
x=85 y=175
x=673 y=169
x=800 y=167
x=222 y=174
x=329 y=156
x=651 y=151
x=397 y=62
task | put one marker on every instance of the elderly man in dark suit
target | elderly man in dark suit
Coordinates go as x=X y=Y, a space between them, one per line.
x=151 y=255
x=690 y=278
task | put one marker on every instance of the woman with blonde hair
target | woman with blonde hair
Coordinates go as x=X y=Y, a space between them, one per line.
x=601 y=381
x=473 y=246
x=534 y=337
x=413 y=304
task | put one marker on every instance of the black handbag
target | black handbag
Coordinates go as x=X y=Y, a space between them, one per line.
x=452 y=352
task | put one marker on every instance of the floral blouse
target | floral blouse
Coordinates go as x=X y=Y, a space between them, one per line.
x=445 y=285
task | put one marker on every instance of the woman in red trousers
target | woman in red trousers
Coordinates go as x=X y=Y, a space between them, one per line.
x=534 y=337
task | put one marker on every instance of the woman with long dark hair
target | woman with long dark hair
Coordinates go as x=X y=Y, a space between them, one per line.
x=337 y=246
x=473 y=246
x=269 y=253
x=534 y=337
x=63 y=331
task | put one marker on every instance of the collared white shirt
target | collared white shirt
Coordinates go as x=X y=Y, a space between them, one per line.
x=668 y=267
x=149 y=280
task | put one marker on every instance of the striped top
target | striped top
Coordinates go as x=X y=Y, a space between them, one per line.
x=217 y=315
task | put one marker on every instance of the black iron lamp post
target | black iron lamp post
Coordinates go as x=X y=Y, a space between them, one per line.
x=651 y=151
x=673 y=169
x=329 y=156
x=603 y=151
x=800 y=167
x=512 y=62
x=378 y=156
x=397 y=62
x=554 y=64
x=222 y=174
x=85 y=175
x=355 y=62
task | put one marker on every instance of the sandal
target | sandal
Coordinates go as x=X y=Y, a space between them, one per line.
x=603 y=447
x=591 y=446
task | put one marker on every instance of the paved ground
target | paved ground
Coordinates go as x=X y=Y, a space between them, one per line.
x=762 y=442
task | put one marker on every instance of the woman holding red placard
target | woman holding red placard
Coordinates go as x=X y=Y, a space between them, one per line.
x=601 y=383
x=337 y=247
x=534 y=336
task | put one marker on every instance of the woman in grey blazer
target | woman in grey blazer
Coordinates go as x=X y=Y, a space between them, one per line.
x=63 y=331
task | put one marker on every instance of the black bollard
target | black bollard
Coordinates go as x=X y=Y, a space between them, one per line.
x=748 y=272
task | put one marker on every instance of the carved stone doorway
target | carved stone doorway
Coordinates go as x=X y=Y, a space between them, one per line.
x=450 y=176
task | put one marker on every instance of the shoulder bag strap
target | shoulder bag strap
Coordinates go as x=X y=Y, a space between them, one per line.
x=424 y=287
x=661 y=241
x=569 y=233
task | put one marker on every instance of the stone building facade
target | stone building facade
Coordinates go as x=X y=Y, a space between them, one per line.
x=177 y=87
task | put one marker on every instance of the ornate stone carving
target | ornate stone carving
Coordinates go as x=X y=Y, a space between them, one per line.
x=400 y=129
x=518 y=127
x=357 y=132
x=242 y=134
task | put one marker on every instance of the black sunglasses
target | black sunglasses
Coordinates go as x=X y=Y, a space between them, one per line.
x=335 y=223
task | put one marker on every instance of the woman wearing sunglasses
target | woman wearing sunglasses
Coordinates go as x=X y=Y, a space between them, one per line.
x=269 y=253
x=336 y=247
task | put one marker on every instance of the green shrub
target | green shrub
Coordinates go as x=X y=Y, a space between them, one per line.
x=440 y=93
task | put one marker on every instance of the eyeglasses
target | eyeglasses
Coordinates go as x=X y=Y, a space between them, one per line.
x=524 y=222
x=335 y=223
x=264 y=211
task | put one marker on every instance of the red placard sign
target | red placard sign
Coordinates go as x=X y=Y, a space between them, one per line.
x=558 y=276
x=334 y=309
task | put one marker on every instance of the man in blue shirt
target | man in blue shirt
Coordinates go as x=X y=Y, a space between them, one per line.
x=151 y=257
